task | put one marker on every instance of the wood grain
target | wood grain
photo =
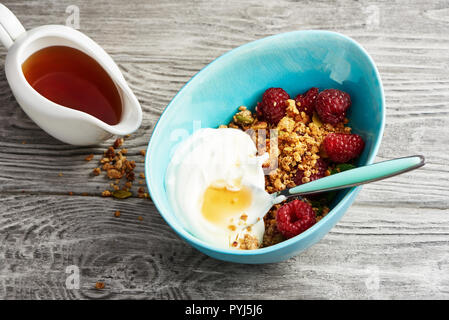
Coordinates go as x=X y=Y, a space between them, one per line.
x=392 y=243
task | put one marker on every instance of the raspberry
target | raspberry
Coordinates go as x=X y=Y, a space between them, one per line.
x=331 y=105
x=307 y=101
x=342 y=147
x=273 y=106
x=321 y=167
x=295 y=217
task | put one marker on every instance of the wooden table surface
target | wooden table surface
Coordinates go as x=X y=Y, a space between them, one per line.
x=393 y=242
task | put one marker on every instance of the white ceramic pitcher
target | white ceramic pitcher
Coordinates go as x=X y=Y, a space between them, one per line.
x=66 y=124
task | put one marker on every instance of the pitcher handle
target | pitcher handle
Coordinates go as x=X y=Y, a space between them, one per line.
x=10 y=27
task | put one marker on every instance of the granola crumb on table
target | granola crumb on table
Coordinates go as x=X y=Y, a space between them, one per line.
x=106 y=193
x=96 y=171
x=299 y=138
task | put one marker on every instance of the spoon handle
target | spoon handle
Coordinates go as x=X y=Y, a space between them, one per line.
x=358 y=176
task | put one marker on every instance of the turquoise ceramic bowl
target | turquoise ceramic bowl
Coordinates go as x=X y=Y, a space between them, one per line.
x=294 y=61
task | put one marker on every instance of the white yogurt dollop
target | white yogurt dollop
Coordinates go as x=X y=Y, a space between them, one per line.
x=209 y=182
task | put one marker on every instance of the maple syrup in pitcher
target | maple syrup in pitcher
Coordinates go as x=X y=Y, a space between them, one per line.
x=71 y=78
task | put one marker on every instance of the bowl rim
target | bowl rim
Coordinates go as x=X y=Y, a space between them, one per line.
x=279 y=246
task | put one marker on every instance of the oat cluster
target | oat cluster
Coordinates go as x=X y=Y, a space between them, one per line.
x=116 y=166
